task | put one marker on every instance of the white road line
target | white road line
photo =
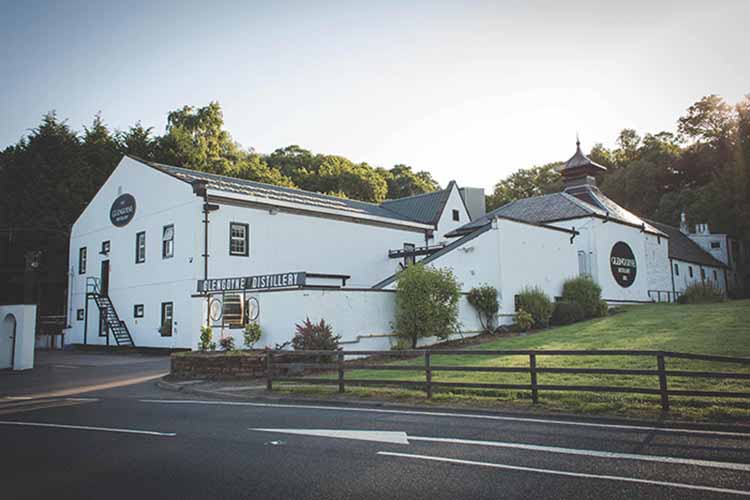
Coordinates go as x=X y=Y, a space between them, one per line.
x=591 y=453
x=88 y=428
x=458 y=415
x=569 y=474
x=392 y=437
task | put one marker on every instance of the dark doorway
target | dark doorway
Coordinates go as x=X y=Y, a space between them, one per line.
x=104 y=290
x=104 y=282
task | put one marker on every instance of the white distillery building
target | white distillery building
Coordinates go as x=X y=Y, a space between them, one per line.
x=161 y=251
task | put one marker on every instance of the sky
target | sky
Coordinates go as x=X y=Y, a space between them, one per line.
x=470 y=91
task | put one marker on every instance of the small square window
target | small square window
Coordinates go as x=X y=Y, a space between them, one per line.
x=715 y=244
x=82 y=260
x=105 y=247
x=140 y=247
x=138 y=311
x=239 y=239
x=455 y=215
x=167 y=242
x=79 y=314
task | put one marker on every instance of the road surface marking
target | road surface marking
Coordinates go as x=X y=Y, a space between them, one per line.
x=456 y=415
x=98 y=387
x=89 y=428
x=37 y=404
x=392 y=437
x=569 y=474
x=591 y=453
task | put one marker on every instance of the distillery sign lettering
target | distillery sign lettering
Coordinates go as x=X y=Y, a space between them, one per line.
x=123 y=210
x=260 y=282
x=622 y=262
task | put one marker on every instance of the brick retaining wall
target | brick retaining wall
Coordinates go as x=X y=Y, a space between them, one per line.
x=220 y=365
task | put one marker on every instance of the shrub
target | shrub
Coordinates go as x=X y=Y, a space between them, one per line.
x=524 y=320
x=251 y=335
x=315 y=337
x=426 y=303
x=701 y=293
x=484 y=300
x=535 y=302
x=212 y=346
x=584 y=291
x=566 y=313
x=603 y=310
x=227 y=343
x=205 y=341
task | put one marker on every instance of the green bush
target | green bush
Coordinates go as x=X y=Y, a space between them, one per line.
x=524 y=320
x=426 y=303
x=205 y=341
x=603 y=310
x=535 y=302
x=251 y=335
x=584 y=291
x=566 y=313
x=484 y=300
x=701 y=293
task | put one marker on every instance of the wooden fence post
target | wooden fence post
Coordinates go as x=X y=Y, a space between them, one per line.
x=662 y=382
x=340 y=362
x=427 y=374
x=532 y=370
x=269 y=374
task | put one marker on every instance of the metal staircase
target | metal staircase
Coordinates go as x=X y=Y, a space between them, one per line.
x=118 y=327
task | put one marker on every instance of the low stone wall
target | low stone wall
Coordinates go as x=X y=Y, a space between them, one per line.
x=220 y=365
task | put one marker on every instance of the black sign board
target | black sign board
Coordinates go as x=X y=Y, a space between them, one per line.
x=123 y=210
x=260 y=282
x=622 y=262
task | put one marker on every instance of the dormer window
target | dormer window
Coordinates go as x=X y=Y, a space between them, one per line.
x=456 y=215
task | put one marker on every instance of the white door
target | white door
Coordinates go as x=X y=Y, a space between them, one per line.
x=7 y=341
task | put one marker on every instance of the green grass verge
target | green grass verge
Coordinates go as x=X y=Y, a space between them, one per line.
x=722 y=329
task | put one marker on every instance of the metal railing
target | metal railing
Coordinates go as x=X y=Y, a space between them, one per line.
x=335 y=361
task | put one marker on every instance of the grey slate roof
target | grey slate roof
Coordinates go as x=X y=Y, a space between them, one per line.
x=424 y=208
x=681 y=247
x=580 y=161
x=279 y=193
x=558 y=206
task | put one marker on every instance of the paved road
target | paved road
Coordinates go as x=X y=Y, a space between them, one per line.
x=137 y=441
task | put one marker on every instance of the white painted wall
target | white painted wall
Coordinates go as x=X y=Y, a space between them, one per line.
x=363 y=318
x=446 y=223
x=19 y=321
x=160 y=200
x=682 y=278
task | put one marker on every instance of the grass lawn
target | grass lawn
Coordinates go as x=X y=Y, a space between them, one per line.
x=722 y=329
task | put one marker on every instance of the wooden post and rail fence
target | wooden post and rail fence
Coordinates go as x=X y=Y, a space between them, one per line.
x=333 y=361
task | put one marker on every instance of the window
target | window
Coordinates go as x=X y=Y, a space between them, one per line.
x=105 y=247
x=715 y=244
x=140 y=247
x=716 y=278
x=690 y=271
x=82 y=261
x=238 y=239
x=676 y=269
x=167 y=310
x=79 y=314
x=703 y=274
x=455 y=215
x=167 y=242
x=583 y=264
x=138 y=311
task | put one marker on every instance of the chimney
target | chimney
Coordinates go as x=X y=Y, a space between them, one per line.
x=702 y=229
x=578 y=172
x=475 y=201
x=683 y=223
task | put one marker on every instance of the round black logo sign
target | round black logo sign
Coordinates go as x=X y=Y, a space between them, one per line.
x=622 y=262
x=123 y=210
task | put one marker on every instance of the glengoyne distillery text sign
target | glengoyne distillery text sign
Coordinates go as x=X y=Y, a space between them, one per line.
x=260 y=282
x=123 y=210
x=622 y=262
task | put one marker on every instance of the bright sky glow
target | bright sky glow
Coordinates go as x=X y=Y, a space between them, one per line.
x=470 y=91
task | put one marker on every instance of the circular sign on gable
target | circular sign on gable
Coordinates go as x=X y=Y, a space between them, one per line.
x=622 y=262
x=123 y=210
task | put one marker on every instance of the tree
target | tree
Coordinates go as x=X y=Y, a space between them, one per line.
x=426 y=303
x=526 y=183
x=403 y=181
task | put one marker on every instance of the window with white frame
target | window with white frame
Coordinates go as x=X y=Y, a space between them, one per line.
x=82 y=260
x=167 y=317
x=239 y=239
x=140 y=247
x=167 y=242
